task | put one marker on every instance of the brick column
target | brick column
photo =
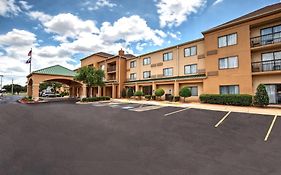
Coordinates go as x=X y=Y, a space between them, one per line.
x=176 y=89
x=84 y=91
x=99 y=91
x=153 y=88
x=35 y=92
x=136 y=87
x=90 y=92
x=113 y=91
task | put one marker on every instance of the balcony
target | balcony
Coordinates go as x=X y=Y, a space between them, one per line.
x=266 y=39
x=111 y=68
x=265 y=66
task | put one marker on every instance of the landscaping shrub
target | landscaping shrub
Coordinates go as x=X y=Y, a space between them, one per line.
x=92 y=99
x=130 y=92
x=185 y=92
x=138 y=94
x=123 y=93
x=159 y=92
x=227 y=99
x=261 y=97
x=148 y=97
x=153 y=97
x=177 y=98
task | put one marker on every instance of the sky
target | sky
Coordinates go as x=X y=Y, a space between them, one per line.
x=64 y=31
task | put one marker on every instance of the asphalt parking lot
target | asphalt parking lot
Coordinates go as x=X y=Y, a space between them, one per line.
x=118 y=138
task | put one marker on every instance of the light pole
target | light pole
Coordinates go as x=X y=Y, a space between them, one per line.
x=1 y=76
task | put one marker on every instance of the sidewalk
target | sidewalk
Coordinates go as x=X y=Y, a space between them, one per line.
x=251 y=110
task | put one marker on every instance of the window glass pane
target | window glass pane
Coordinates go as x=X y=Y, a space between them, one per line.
x=223 y=90
x=223 y=63
x=194 y=68
x=193 y=50
x=222 y=41
x=267 y=56
x=232 y=62
x=187 y=52
x=187 y=69
x=266 y=31
x=277 y=55
x=194 y=91
x=232 y=39
x=277 y=29
x=233 y=90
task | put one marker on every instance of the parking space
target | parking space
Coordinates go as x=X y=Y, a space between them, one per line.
x=167 y=140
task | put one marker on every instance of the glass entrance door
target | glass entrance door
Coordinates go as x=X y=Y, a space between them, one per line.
x=272 y=93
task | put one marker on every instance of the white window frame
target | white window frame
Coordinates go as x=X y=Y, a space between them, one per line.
x=167 y=70
x=190 y=65
x=228 y=63
x=224 y=41
x=147 y=61
x=236 y=89
x=168 y=56
x=133 y=64
x=189 y=53
x=133 y=76
x=146 y=72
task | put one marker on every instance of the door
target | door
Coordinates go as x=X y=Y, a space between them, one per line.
x=272 y=93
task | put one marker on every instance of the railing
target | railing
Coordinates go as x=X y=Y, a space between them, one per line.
x=264 y=66
x=266 y=39
x=111 y=68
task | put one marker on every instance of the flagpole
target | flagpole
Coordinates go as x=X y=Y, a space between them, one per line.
x=30 y=62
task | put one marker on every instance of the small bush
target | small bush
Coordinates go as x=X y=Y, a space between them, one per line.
x=159 y=92
x=227 y=99
x=130 y=92
x=138 y=93
x=123 y=93
x=177 y=98
x=261 y=97
x=148 y=97
x=92 y=99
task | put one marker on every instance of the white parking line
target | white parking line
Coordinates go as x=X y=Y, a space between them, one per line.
x=176 y=111
x=226 y=115
x=270 y=128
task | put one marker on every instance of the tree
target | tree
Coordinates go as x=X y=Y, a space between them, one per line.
x=261 y=97
x=130 y=92
x=123 y=93
x=159 y=92
x=90 y=76
x=139 y=94
x=185 y=92
x=17 y=88
x=47 y=84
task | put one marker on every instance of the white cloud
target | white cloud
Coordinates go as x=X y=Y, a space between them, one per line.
x=175 y=12
x=17 y=38
x=17 y=43
x=8 y=7
x=99 y=4
x=217 y=2
x=25 y=5
x=131 y=29
x=36 y=15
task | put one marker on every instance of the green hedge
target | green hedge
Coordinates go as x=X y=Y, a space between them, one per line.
x=92 y=99
x=227 y=99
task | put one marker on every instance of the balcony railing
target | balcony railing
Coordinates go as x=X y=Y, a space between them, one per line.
x=111 y=68
x=266 y=39
x=264 y=66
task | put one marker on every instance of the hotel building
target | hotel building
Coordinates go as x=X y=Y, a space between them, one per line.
x=232 y=58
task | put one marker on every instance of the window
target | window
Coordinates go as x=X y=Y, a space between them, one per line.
x=133 y=76
x=168 y=72
x=271 y=61
x=133 y=64
x=146 y=74
x=91 y=65
x=231 y=89
x=102 y=67
x=228 y=63
x=194 y=91
x=228 y=40
x=190 y=51
x=167 y=56
x=146 y=61
x=190 y=69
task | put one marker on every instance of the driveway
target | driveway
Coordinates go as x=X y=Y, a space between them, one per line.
x=112 y=138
